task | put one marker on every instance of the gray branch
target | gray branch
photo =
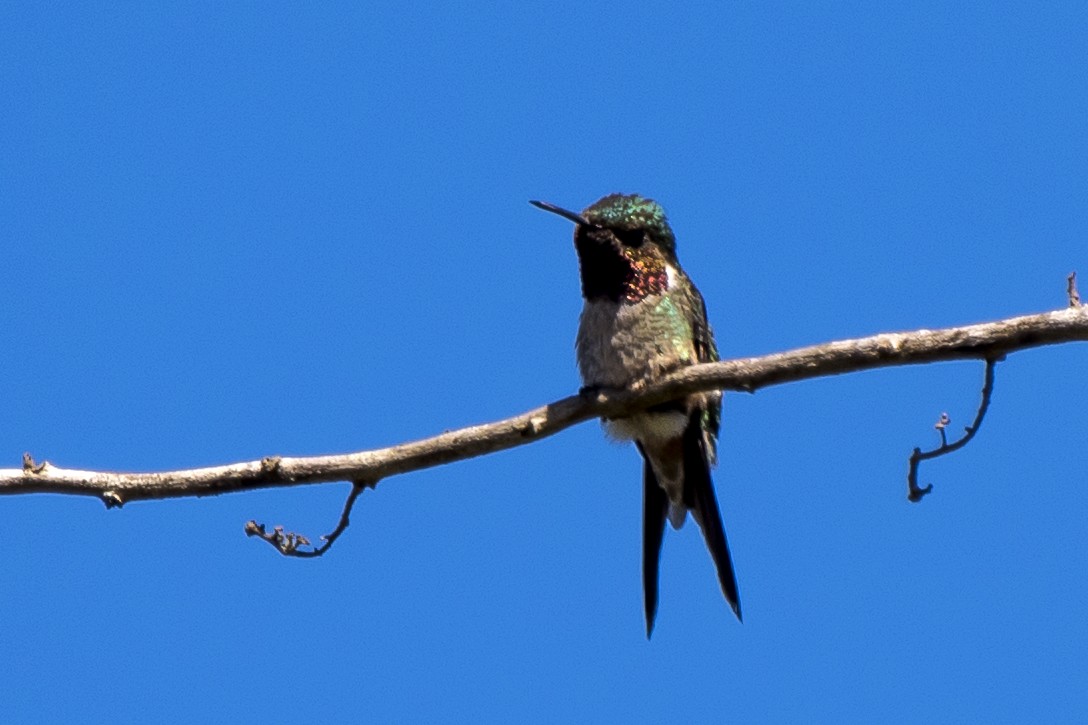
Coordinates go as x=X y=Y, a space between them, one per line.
x=988 y=341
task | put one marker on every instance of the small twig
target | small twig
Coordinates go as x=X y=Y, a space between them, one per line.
x=288 y=543
x=32 y=468
x=942 y=426
x=916 y=492
x=1071 y=290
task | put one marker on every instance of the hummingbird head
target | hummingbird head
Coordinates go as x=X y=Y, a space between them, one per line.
x=634 y=220
x=625 y=246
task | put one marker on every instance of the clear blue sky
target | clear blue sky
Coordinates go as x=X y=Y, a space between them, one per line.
x=236 y=230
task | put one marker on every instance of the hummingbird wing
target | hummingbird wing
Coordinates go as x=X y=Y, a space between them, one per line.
x=706 y=350
x=700 y=451
x=655 y=507
x=699 y=497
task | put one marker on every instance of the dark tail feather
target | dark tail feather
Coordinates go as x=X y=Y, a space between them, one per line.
x=655 y=507
x=699 y=495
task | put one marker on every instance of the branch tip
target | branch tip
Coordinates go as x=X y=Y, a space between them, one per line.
x=112 y=499
x=919 y=492
x=942 y=425
x=1071 y=289
x=271 y=464
x=32 y=468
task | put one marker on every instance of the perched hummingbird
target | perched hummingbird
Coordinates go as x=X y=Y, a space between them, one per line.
x=644 y=318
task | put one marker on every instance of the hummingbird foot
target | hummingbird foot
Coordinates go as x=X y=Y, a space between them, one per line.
x=593 y=392
x=590 y=393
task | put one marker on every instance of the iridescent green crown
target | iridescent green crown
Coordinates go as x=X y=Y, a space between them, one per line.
x=631 y=211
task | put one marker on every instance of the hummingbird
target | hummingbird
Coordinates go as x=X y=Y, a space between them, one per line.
x=643 y=318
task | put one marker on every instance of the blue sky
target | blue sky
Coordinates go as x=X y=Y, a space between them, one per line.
x=243 y=229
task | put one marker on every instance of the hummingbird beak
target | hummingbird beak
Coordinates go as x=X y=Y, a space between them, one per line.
x=565 y=213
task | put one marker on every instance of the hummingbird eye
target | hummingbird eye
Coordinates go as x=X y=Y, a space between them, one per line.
x=630 y=237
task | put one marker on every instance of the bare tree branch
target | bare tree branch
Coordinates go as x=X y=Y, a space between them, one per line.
x=916 y=492
x=985 y=341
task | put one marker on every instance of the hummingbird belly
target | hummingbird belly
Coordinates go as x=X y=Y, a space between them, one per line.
x=620 y=345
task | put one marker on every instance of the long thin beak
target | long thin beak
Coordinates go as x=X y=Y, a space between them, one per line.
x=566 y=213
